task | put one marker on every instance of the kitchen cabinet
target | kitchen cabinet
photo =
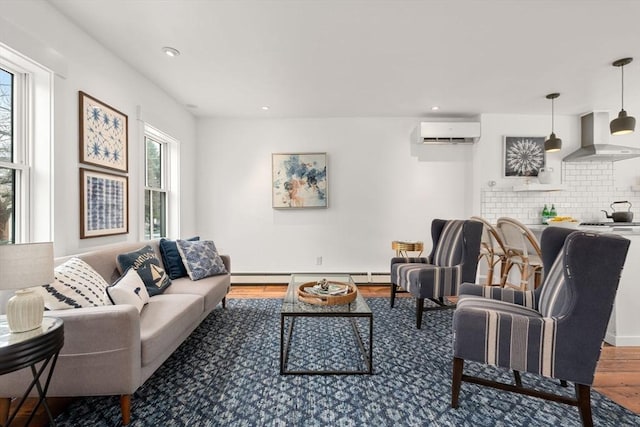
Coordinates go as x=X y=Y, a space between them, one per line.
x=624 y=325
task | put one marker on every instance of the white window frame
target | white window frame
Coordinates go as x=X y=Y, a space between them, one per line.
x=33 y=149
x=170 y=158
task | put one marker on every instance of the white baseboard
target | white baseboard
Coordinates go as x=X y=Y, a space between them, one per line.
x=283 y=278
x=620 y=341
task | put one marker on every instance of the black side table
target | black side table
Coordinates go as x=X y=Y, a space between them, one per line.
x=27 y=349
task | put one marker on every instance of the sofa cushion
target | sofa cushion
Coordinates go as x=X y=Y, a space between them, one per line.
x=213 y=289
x=145 y=261
x=165 y=320
x=171 y=258
x=76 y=285
x=200 y=258
x=129 y=289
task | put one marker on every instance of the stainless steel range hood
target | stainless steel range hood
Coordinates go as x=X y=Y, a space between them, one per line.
x=595 y=145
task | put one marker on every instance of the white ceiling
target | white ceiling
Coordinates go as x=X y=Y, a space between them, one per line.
x=339 y=58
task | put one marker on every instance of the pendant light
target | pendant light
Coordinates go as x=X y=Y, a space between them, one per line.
x=623 y=124
x=553 y=143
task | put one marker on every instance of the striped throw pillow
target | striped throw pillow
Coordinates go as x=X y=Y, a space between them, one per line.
x=76 y=285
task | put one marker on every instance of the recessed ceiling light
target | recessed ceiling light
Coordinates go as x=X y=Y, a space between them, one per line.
x=170 y=51
x=435 y=108
x=265 y=107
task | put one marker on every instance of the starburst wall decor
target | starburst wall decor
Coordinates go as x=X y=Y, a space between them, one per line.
x=523 y=155
x=103 y=134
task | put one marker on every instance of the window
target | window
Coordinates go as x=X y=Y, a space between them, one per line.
x=13 y=170
x=160 y=191
x=26 y=147
x=155 y=193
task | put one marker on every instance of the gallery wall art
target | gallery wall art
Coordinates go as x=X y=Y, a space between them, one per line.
x=299 y=180
x=103 y=204
x=523 y=155
x=103 y=134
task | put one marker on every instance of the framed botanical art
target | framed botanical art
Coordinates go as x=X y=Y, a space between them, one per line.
x=299 y=180
x=104 y=203
x=523 y=155
x=103 y=134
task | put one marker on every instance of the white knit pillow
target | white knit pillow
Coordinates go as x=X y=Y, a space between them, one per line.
x=129 y=289
x=76 y=285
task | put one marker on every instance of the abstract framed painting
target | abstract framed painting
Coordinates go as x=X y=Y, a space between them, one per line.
x=103 y=134
x=299 y=180
x=523 y=155
x=104 y=200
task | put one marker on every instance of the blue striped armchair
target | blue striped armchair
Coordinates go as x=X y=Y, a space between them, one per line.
x=556 y=331
x=453 y=260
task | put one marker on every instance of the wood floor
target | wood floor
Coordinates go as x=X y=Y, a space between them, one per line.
x=617 y=375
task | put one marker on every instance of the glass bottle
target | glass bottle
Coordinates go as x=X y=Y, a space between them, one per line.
x=545 y=215
x=552 y=212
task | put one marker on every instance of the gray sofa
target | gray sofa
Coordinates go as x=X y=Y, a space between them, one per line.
x=112 y=350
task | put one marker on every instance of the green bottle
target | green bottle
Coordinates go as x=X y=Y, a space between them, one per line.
x=552 y=212
x=545 y=215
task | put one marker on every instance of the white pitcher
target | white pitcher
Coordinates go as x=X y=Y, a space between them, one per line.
x=545 y=175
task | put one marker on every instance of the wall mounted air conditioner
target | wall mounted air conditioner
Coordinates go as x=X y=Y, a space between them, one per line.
x=449 y=132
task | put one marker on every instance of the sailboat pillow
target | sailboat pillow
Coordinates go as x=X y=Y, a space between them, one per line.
x=147 y=264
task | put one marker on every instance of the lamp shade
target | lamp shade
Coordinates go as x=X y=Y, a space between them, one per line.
x=26 y=265
x=623 y=124
x=552 y=143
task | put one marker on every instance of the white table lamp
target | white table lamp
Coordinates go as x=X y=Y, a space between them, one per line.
x=24 y=266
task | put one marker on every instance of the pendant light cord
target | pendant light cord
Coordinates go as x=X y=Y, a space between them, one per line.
x=622 y=69
x=552 y=102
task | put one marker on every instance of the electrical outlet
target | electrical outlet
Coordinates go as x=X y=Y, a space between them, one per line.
x=319 y=260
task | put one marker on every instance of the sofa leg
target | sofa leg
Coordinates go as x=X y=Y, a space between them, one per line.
x=224 y=302
x=5 y=404
x=125 y=408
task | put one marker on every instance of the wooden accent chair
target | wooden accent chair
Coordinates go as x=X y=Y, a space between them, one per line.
x=491 y=249
x=523 y=252
x=555 y=331
x=453 y=260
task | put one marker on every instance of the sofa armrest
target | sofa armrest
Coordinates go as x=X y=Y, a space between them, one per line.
x=91 y=329
x=226 y=260
x=101 y=354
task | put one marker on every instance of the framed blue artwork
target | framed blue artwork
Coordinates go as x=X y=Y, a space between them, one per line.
x=103 y=134
x=104 y=204
x=299 y=180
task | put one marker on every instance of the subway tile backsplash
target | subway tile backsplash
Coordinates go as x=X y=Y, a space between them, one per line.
x=588 y=188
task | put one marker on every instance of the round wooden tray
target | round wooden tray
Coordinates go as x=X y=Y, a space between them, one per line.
x=316 y=299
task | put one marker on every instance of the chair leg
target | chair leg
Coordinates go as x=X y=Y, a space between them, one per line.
x=563 y=383
x=419 y=311
x=517 y=378
x=490 y=273
x=505 y=273
x=456 y=380
x=583 y=394
x=393 y=294
x=5 y=404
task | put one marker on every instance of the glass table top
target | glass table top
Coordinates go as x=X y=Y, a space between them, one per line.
x=291 y=304
x=7 y=338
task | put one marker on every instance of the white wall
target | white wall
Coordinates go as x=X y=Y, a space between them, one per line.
x=38 y=30
x=381 y=188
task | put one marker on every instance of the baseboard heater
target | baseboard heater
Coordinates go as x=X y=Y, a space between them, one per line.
x=283 y=278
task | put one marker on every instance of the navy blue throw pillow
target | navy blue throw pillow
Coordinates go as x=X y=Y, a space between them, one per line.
x=171 y=258
x=147 y=265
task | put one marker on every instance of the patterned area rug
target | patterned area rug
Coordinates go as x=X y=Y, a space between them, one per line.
x=227 y=373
